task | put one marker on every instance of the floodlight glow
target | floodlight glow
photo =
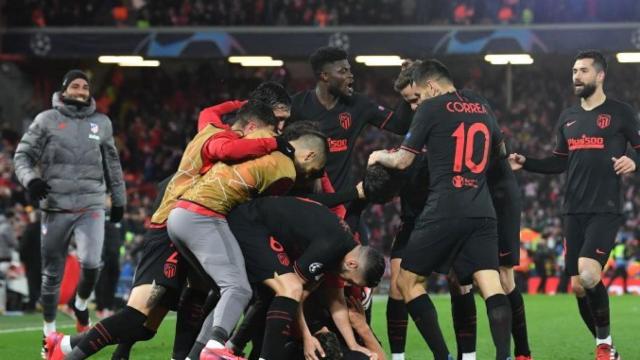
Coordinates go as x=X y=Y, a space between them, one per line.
x=241 y=59
x=141 y=63
x=628 y=57
x=114 y=59
x=261 y=63
x=504 y=59
x=379 y=60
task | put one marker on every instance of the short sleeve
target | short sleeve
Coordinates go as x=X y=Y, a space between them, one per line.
x=377 y=115
x=419 y=130
x=561 y=148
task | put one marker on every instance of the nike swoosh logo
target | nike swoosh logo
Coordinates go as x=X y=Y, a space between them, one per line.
x=571 y=123
x=504 y=254
x=600 y=252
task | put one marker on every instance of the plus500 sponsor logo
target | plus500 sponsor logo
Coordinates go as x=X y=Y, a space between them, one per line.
x=586 y=142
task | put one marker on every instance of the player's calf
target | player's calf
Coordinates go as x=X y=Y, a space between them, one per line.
x=423 y=312
x=463 y=311
x=498 y=310
x=397 y=315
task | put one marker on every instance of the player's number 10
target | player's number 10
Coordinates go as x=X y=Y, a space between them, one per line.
x=465 y=142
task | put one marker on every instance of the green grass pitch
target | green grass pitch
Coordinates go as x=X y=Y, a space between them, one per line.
x=555 y=331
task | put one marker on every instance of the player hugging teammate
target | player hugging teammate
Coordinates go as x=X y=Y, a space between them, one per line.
x=263 y=214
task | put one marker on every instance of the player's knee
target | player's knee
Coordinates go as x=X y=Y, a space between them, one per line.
x=577 y=288
x=394 y=290
x=589 y=278
x=507 y=279
x=51 y=283
x=293 y=290
x=406 y=282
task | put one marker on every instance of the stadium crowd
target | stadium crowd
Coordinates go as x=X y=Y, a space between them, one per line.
x=143 y=13
x=150 y=139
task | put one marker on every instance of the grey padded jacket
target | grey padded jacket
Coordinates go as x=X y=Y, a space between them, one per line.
x=77 y=157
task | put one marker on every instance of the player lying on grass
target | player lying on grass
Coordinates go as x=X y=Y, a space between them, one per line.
x=286 y=251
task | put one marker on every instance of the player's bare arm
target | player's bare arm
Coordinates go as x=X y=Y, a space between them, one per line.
x=340 y=315
x=400 y=159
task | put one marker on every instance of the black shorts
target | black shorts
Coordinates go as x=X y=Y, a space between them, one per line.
x=466 y=244
x=162 y=264
x=590 y=236
x=401 y=240
x=263 y=255
x=508 y=233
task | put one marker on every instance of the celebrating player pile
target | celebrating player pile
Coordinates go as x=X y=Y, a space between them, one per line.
x=244 y=220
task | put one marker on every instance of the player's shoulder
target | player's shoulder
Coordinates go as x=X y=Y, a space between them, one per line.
x=622 y=107
x=301 y=96
x=472 y=96
x=301 y=103
x=569 y=114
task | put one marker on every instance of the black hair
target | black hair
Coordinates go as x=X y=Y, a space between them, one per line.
x=404 y=78
x=381 y=184
x=431 y=69
x=256 y=110
x=599 y=61
x=271 y=93
x=330 y=344
x=374 y=266
x=325 y=55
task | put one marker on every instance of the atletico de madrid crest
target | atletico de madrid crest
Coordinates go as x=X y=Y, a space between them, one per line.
x=345 y=120
x=169 y=270
x=94 y=128
x=604 y=120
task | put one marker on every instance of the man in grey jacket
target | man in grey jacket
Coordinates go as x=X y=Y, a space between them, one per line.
x=67 y=159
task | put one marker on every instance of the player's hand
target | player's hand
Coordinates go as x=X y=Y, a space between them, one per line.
x=623 y=165
x=373 y=158
x=516 y=161
x=360 y=189
x=116 y=213
x=312 y=348
x=285 y=147
x=365 y=351
x=38 y=189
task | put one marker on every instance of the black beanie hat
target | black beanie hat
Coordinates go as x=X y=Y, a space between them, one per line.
x=72 y=75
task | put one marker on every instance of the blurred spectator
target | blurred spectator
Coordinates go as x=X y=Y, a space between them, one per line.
x=120 y=14
x=505 y=14
x=462 y=13
x=620 y=257
x=141 y=13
